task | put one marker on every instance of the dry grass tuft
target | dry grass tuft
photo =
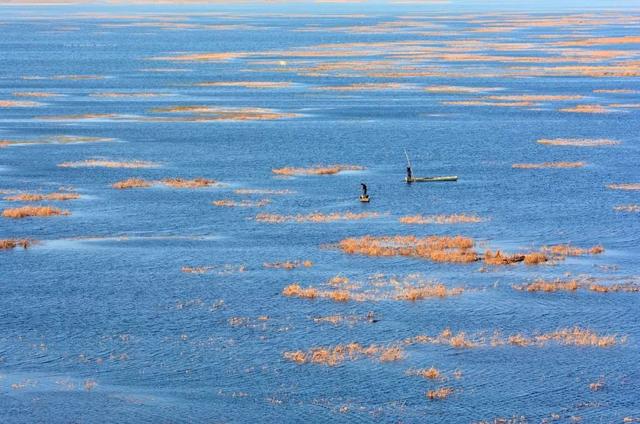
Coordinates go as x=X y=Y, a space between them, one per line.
x=549 y=286
x=228 y=203
x=578 y=142
x=428 y=373
x=195 y=270
x=548 y=165
x=335 y=355
x=434 y=290
x=317 y=170
x=33 y=211
x=453 y=89
x=436 y=248
x=535 y=258
x=600 y=288
x=7 y=244
x=626 y=186
x=315 y=217
x=246 y=191
x=568 y=250
x=99 y=163
x=33 y=197
x=131 y=183
x=182 y=183
x=440 y=219
x=288 y=265
x=439 y=394
x=498 y=258
x=586 y=109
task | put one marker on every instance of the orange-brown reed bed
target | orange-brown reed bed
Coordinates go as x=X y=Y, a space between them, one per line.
x=16 y=103
x=131 y=183
x=366 y=87
x=569 y=336
x=99 y=163
x=35 y=94
x=168 y=182
x=228 y=203
x=288 y=265
x=440 y=219
x=33 y=211
x=616 y=91
x=569 y=250
x=574 y=285
x=625 y=186
x=534 y=97
x=249 y=191
x=345 y=319
x=627 y=208
x=35 y=197
x=440 y=393
x=184 y=183
x=427 y=373
x=578 y=142
x=436 y=248
x=378 y=288
x=7 y=244
x=316 y=217
x=246 y=84
x=499 y=258
x=225 y=269
x=335 y=355
x=195 y=269
x=586 y=109
x=317 y=170
x=453 y=89
x=544 y=165
x=197 y=113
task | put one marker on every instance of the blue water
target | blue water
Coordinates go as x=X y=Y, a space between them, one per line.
x=102 y=298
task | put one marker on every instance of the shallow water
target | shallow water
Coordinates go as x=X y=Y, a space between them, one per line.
x=102 y=298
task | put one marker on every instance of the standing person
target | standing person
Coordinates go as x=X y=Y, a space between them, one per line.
x=364 y=189
x=409 y=176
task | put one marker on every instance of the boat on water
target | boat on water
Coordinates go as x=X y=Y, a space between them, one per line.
x=364 y=197
x=434 y=179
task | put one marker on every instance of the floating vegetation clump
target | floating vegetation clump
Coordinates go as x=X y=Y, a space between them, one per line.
x=41 y=94
x=223 y=270
x=453 y=89
x=625 y=186
x=568 y=250
x=578 y=142
x=534 y=97
x=288 y=265
x=347 y=319
x=586 y=109
x=34 y=197
x=100 y=163
x=372 y=86
x=440 y=393
x=377 y=288
x=60 y=139
x=549 y=286
x=316 y=217
x=228 y=203
x=195 y=270
x=246 y=84
x=16 y=103
x=131 y=183
x=440 y=219
x=548 y=165
x=8 y=244
x=33 y=211
x=627 y=208
x=201 y=57
x=184 y=183
x=247 y=191
x=214 y=113
x=335 y=355
x=436 y=248
x=317 y=170
x=428 y=373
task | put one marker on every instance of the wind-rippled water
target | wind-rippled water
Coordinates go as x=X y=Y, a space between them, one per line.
x=98 y=321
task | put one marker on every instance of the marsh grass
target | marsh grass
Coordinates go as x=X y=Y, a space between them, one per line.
x=33 y=211
x=440 y=393
x=315 y=217
x=228 y=203
x=334 y=355
x=548 y=165
x=440 y=219
x=7 y=244
x=587 y=109
x=34 y=197
x=131 y=183
x=317 y=170
x=288 y=265
x=578 y=142
x=167 y=182
x=100 y=163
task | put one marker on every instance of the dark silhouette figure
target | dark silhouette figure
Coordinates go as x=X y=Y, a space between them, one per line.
x=409 y=176
x=364 y=189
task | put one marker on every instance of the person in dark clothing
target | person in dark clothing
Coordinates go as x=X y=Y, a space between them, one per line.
x=364 y=189
x=409 y=173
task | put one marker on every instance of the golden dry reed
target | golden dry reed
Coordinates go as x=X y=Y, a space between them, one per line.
x=7 y=244
x=131 y=183
x=34 y=197
x=335 y=355
x=440 y=393
x=436 y=248
x=288 y=265
x=315 y=217
x=568 y=250
x=548 y=165
x=586 y=109
x=578 y=142
x=440 y=219
x=317 y=170
x=99 y=163
x=228 y=203
x=33 y=211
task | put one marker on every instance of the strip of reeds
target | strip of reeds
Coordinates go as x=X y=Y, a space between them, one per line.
x=288 y=265
x=315 y=217
x=545 y=165
x=578 y=142
x=33 y=211
x=440 y=219
x=100 y=163
x=335 y=355
x=317 y=170
x=7 y=244
x=35 y=197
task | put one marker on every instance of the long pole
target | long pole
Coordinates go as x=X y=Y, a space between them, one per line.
x=407 y=156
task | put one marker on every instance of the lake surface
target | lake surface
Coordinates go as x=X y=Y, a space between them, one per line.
x=99 y=322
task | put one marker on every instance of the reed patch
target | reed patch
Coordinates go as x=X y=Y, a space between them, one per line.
x=316 y=217
x=33 y=211
x=440 y=219
x=317 y=170
x=578 y=142
x=545 y=165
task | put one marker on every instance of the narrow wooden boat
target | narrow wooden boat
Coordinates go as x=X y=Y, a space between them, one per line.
x=364 y=198
x=431 y=179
